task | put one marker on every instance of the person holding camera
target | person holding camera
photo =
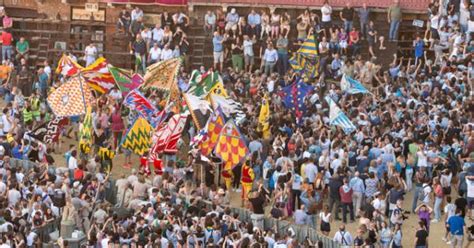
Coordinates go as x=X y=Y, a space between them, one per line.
x=397 y=216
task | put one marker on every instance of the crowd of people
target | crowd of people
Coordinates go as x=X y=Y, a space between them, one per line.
x=413 y=146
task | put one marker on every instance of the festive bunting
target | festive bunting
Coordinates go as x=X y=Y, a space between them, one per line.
x=138 y=137
x=231 y=147
x=71 y=98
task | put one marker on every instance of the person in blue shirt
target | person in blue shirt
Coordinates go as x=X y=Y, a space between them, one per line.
x=254 y=21
x=270 y=58
x=456 y=228
x=42 y=83
x=218 y=49
x=419 y=46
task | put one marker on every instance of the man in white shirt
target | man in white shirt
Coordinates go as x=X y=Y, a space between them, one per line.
x=157 y=34
x=326 y=12
x=90 y=54
x=6 y=122
x=72 y=163
x=248 y=53
x=116 y=94
x=343 y=237
x=136 y=13
x=154 y=54
x=166 y=53
x=270 y=58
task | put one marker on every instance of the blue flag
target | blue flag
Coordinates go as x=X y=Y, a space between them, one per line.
x=352 y=86
x=293 y=97
x=338 y=118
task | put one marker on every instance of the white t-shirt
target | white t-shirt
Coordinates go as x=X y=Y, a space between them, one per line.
x=422 y=159
x=166 y=54
x=30 y=239
x=7 y=125
x=72 y=164
x=91 y=51
x=326 y=11
x=13 y=197
x=426 y=194
x=155 y=53
x=470 y=188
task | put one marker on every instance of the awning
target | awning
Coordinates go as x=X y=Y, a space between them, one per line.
x=157 y=2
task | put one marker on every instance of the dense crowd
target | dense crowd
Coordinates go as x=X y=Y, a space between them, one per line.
x=414 y=137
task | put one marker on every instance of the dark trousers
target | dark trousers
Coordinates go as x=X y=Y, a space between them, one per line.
x=295 y=197
x=336 y=203
x=345 y=206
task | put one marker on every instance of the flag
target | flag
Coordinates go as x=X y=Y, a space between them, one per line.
x=138 y=137
x=202 y=84
x=230 y=108
x=199 y=109
x=304 y=66
x=352 y=86
x=163 y=76
x=338 y=118
x=48 y=132
x=264 y=118
x=167 y=137
x=294 y=97
x=308 y=48
x=70 y=99
x=231 y=147
x=123 y=79
x=68 y=67
x=206 y=139
x=138 y=102
x=85 y=132
x=98 y=76
x=219 y=88
x=105 y=153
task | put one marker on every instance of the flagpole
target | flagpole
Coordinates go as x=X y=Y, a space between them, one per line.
x=82 y=90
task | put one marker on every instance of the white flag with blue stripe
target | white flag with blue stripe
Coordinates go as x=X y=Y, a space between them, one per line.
x=338 y=118
x=352 y=86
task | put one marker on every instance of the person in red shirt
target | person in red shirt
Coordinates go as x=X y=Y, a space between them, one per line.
x=6 y=40
x=354 y=41
x=345 y=191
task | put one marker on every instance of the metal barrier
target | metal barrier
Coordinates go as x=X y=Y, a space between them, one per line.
x=302 y=232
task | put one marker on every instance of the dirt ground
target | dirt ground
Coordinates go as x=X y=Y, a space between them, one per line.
x=437 y=230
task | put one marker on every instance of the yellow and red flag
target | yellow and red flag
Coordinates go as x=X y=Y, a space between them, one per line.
x=98 y=76
x=68 y=67
x=231 y=147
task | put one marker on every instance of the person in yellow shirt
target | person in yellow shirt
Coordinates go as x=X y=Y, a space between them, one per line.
x=247 y=180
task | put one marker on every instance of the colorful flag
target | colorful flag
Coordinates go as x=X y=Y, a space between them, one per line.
x=138 y=137
x=68 y=67
x=199 y=109
x=294 y=97
x=138 y=102
x=48 y=132
x=70 y=99
x=202 y=84
x=206 y=139
x=164 y=76
x=309 y=47
x=85 y=132
x=352 y=86
x=230 y=108
x=231 y=147
x=165 y=140
x=338 y=118
x=122 y=78
x=264 y=118
x=98 y=76
x=304 y=66
x=219 y=88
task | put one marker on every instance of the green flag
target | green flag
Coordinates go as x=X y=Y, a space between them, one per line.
x=202 y=84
